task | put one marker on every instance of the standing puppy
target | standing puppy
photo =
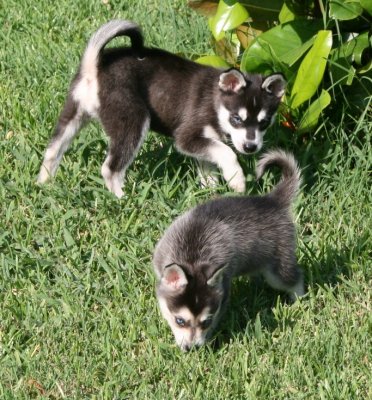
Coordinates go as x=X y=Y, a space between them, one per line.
x=133 y=89
x=205 y=248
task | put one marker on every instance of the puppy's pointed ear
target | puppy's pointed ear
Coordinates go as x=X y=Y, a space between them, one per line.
x=232 y=81
x=174 y=278
x=216 y=279
x=275 y=84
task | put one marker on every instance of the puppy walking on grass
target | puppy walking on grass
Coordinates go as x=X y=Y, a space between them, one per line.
x=206 y=247
x=133 y=89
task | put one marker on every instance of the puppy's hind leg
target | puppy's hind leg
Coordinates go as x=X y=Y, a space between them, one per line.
x=126 y=138
x=68 y=126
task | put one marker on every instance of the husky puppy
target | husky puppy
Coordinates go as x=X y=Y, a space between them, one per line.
x=133 y=89
x=206 y=247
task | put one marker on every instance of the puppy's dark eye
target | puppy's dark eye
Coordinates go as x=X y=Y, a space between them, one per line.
x=206 y=323
x=180 y=322
x=235 y=119
x=264 y=124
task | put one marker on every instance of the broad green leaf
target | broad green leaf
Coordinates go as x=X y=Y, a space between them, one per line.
x=343 y=56
x=351 y=75
x=311 y=116
x=286 y=15
x=366 y=68
x=260 y=57
x=294 y=55
x=227 y=17
x=283 y=44
x=345 y=9
x=311 y=70
x=213 y=61
x=367 y=5
x=264 y=10
x=303 y=8
x=362 y=43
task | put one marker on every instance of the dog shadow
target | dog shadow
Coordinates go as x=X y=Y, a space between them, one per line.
x=159 y=159
x=162 y=160
x=252 y=303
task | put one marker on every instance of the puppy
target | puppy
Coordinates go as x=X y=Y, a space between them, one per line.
x=131 y=90
x=206 y=247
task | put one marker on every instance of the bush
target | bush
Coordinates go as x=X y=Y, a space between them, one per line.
x=323 y=48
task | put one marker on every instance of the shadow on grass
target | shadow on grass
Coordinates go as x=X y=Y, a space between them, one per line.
x=162 y=159
x=159 y=158
x=252 y=298
x=249 y=298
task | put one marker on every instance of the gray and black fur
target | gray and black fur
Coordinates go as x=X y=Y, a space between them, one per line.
x=206 y=247
x=133 y=89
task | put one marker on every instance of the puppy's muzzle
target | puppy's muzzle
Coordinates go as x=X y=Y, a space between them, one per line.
x=250 y=147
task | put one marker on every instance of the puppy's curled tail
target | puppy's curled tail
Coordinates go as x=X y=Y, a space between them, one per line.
x=285 y=191
x=102 y=36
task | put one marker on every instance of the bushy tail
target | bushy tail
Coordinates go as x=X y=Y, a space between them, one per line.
x=102 y=36
x=285 y=191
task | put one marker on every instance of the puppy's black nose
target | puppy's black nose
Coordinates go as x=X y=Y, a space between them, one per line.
x=249 y=147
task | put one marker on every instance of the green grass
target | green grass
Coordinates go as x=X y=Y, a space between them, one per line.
x=78 y=313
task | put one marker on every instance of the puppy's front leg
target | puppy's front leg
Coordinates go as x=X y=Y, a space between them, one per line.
x=216 y=152
x=222 y=155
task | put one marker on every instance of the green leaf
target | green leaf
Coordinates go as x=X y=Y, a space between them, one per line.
x=311 y=116
x=362 y=43
x=344 y=9
x=367 y=5
x=311 y=70
x=283 y=44
x=366 y=68
x=303 y=8
x=343 y=56
x=286 y=15
x=213 y=61
x=227 y=17
x=263 y=10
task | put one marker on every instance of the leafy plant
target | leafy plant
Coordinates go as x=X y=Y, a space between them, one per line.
x=322 y=47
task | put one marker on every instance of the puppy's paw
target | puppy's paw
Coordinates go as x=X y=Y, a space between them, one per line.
x=117 y=191
x=44 y=176
x=237 y=183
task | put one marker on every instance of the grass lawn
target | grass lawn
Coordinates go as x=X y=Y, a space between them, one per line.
x=78 y=313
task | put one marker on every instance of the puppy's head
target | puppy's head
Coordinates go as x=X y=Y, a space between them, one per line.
x=247 y=107
x=190 y=304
